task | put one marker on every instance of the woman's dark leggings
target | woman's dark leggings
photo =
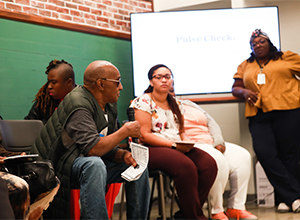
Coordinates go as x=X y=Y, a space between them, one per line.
x=194 y=173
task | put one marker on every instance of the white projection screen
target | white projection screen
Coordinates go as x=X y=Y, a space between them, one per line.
x=202 y=48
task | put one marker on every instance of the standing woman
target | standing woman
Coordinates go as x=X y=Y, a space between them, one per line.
x=161 y=119
x=267 y=82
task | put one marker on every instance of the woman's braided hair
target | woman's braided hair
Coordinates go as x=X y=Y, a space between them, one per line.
x=42 y=98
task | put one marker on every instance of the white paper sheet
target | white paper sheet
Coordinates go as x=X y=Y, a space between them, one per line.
x=141 y=155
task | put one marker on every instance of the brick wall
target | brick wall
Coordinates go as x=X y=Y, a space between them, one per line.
x=113 y=15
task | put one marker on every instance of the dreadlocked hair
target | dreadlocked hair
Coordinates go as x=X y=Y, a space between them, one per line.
x=43 y=99
x=55 y=63
x=275 y=54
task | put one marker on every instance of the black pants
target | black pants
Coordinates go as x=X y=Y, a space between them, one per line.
x=276 y=142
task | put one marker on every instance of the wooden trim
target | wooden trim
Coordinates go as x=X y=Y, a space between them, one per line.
x=34 y=19
x=213 y=100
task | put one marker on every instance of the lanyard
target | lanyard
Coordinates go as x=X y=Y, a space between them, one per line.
x=261 y=77
x=261 y=67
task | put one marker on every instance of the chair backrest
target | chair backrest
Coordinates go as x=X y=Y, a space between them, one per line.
x=19 y=135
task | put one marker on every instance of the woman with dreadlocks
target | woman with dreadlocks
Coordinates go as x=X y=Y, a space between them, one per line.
x=268 y=82
x=60 y=82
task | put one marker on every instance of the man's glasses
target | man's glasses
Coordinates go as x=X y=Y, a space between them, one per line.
x=160 y=77
x=118 y=81
x=261 y=42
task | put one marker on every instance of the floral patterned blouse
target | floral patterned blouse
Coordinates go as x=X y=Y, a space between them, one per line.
x=163 y=121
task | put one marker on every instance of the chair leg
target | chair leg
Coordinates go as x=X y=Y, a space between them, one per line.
x=151 y=197
x=122 y=201
x=174 y=197
x=209 y=208
x=172 y=200
x=162 y=197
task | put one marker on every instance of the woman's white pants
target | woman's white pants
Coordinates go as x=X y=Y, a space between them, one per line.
x=234 y=165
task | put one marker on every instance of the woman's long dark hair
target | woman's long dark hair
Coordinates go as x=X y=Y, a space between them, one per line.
x=171 y=100
x=275 y=54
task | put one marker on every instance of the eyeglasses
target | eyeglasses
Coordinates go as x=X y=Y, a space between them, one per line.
x=261 y=42
x=118 y=81
x=160 y=77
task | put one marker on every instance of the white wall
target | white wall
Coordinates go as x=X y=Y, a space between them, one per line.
x=230 y=116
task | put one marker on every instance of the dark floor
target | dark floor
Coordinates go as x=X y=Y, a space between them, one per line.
x=263 y=213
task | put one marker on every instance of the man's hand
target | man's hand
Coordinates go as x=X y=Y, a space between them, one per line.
x=128 y=159
x=221 y=148
x=133 y=129
x=125 y=156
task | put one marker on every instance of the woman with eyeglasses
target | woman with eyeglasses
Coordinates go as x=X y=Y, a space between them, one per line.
x=268 y=82
x=161 y=119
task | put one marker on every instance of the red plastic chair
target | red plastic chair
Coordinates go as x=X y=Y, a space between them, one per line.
x=112 y=192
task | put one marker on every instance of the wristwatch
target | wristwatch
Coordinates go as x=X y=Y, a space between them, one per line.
x=174 y=146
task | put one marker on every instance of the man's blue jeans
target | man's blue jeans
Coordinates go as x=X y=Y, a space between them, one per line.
x=93 y=174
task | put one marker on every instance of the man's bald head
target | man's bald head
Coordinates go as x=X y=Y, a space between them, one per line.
x=96 y=70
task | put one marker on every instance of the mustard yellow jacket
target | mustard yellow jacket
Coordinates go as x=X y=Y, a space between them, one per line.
x=281 y=90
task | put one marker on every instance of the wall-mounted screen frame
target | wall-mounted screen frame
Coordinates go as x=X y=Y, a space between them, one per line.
x=202 y=47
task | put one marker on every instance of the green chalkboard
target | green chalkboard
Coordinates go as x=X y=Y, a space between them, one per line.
x=26 y=49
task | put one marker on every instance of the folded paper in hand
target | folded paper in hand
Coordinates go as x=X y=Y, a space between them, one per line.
x=27 y=157
x=141 y=155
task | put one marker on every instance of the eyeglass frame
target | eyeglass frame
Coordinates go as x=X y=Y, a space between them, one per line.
x=112 y=80
x=258 y=42
x=163 y=76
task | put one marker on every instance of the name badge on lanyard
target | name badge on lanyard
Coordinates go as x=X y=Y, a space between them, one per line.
x=261 y=78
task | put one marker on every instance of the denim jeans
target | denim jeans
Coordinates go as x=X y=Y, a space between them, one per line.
x=93 y=174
